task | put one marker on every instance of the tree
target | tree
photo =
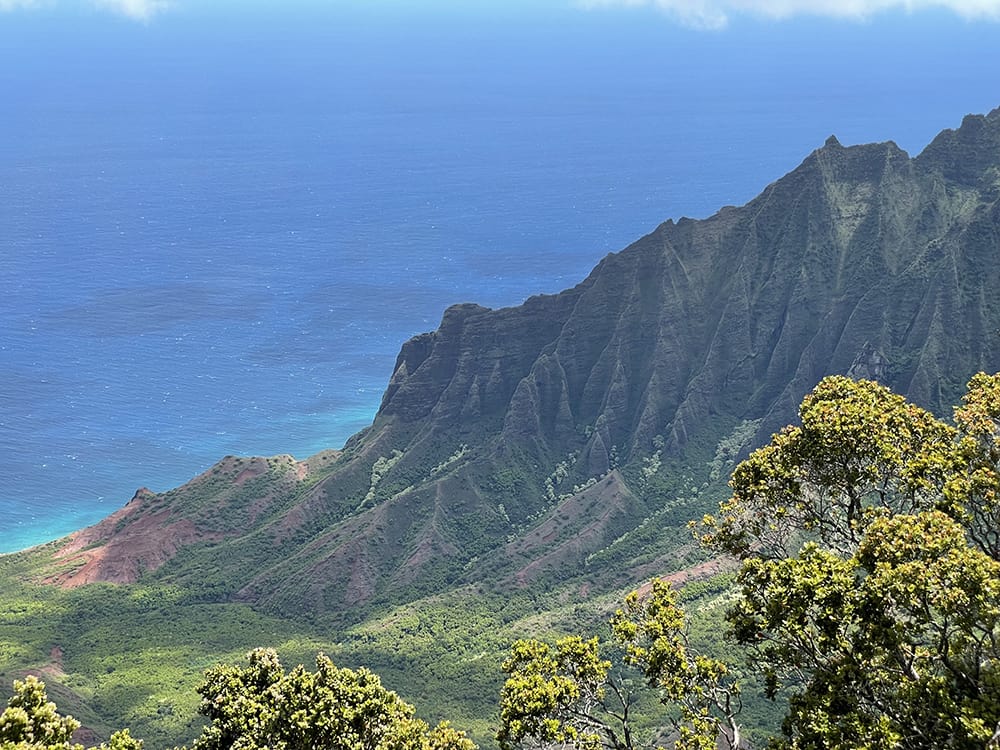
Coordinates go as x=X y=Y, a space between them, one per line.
x=977 y=487
x=568 y=695
x=870 y=584
x=556 y=696
x=262 y=706
x=32 y=722
x=860 y=452
x=653 y=633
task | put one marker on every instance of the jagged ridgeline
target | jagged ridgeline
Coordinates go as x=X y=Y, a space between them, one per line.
x=573 y=436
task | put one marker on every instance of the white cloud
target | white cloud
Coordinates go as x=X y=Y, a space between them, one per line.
x=714 y=14
x=140 y=10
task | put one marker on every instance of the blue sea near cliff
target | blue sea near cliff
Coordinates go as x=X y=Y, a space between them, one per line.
x=218 y=226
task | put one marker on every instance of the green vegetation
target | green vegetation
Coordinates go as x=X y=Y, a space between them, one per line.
x=870 y=580
x=569 y=695
x=869 y=595
x=32 y=722
x=866 y=610
x=258 y=706
x=132 y=655
x=262 y=706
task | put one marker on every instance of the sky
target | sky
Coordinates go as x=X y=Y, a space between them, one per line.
x=918 y=65
x=716 y=14
x=934 y=60
x=706 y=14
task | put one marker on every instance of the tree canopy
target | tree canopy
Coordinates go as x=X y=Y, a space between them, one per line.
x=263 y=706
x=569 y=695
x=32 y=722
x=869 y=595
x=870 y=580
x=257 y=706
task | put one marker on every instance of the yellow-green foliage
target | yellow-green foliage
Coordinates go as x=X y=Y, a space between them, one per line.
x=870 y=584
x=263 y=706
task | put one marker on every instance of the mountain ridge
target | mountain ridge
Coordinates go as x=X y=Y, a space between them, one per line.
x=520 y=446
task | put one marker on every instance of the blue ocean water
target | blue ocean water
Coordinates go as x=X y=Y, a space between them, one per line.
x=217 y=228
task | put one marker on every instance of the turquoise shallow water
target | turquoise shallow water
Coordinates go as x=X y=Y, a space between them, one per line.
x=216 y=234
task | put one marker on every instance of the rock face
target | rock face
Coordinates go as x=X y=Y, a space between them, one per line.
x=527 y=442
x=861 y=256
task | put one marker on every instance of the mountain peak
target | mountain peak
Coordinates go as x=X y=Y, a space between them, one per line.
x=966 y=156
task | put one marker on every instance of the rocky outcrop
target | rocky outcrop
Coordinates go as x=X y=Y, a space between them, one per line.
x=860 y=250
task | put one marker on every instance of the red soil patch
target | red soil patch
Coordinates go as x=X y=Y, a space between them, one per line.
x=430 y=544
x=697 y=572
x=258 y=467
x=361 y=585
x=53 y=669
x=120 y=548
x=601 y=503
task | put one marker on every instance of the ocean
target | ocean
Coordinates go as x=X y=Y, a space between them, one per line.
x=218 y=227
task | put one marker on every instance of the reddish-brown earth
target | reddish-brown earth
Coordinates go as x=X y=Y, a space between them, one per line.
x=117 y=551
x=697 y=572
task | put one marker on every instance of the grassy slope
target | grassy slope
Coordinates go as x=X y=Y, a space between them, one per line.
x=134 y=655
